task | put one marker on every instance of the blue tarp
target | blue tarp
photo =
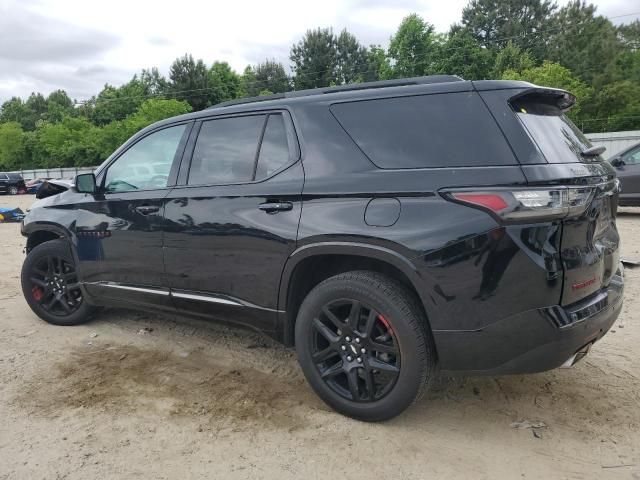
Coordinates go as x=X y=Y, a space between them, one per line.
x=10 y=214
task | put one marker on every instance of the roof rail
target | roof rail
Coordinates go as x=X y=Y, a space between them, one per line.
x=401 y=82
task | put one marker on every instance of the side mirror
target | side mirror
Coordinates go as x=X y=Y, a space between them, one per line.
x=617 y=162
x=86 y=183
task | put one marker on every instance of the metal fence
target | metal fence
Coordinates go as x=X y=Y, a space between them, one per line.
x=69 y=172
x=615 y=141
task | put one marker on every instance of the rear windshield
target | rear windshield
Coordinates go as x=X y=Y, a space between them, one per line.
x=438 y=130
x=559 y=140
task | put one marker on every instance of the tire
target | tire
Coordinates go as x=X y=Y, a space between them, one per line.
x=43 y=281
x=13 y=190
x=394 y=357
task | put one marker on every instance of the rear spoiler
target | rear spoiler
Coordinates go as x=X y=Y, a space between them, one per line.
x=553 y=98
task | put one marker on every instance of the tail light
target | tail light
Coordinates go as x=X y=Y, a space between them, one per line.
x=527 y=205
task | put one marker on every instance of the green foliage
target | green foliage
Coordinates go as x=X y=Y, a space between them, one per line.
x=12 y=146
x=460 y=54
x=616 y=107
x=551 y=74
x=511 y=57
x=494 y=22
x=115 y=103
x=315 y=59
x=352 y=58
x=190 y=81
x=413 y=49
x=583 y=42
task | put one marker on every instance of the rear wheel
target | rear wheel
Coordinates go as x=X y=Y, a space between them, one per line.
x=13 y=190
x=364 y=345
x=51 y=287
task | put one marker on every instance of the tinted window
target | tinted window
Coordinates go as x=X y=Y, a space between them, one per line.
x=632 y=158
x=442 y=130
x=274 y=150
x=133 y=170
x=557 y=137
x=225 y=151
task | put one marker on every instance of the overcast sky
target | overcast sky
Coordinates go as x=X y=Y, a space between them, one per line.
x=79 y=45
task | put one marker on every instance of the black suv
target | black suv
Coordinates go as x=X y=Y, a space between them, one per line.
x=11 y=183
x=387 y=230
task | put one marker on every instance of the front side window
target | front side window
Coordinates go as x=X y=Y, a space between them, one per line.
x=136 y=168
x=226 y=150
x=632 y=158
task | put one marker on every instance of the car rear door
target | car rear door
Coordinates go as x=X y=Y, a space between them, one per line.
x=4 y=182
x=119 y=230
x=232 y=222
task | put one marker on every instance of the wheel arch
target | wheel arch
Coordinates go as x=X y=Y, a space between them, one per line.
x=311 y=264
x=38 y=233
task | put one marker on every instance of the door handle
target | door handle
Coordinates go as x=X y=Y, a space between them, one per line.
x=273 y=207
x=147 y=209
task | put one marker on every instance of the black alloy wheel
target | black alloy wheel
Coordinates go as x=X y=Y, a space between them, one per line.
x=364 y=345
x=51 y=286
x=355 y=350
x=54 y=285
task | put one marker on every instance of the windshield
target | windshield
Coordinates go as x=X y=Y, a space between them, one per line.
x=559 y=140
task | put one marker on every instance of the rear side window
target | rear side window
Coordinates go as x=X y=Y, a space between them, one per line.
x=440 y=130
x=274 y=149
x=226 y=150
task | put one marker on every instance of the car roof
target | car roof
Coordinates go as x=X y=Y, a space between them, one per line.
x=359 y=91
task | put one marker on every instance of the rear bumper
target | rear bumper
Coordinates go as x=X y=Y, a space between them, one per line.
x=532 y=341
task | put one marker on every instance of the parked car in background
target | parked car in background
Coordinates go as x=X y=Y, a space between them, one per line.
x=627 y=165
x=35 y=184
x=12 y=183
x=384 y=229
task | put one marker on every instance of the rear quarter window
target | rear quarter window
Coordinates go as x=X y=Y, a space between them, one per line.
x=438 y=130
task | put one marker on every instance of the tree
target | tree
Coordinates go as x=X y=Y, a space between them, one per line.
x=59 y=105
x=154 y=83
x=315 y=59
x=378 y=65
x=460 y=54
x=352 y=65
x=14 y=110
x=615 y=107
x=584 y=42
x=224 y=83
x=525 y=22
x=190 y=81
x=269 y=75
x=511 y=57
x=115 y=103
x=413 y=48
x=12 y=146
x=551 y=74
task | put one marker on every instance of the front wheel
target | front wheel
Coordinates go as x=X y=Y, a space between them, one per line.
x=13 y=190
x=364 y=346
x=51 y=287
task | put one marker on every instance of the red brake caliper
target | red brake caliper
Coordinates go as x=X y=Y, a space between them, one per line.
x=386 y=323
x=37 y=293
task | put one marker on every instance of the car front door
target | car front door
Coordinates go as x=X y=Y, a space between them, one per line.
x=119 y=231
x=628 y=170
x=232 y=224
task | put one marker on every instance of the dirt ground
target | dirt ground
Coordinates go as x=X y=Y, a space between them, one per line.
x=136 y=395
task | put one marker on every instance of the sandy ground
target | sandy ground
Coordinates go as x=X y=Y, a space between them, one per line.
x=134 y=395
